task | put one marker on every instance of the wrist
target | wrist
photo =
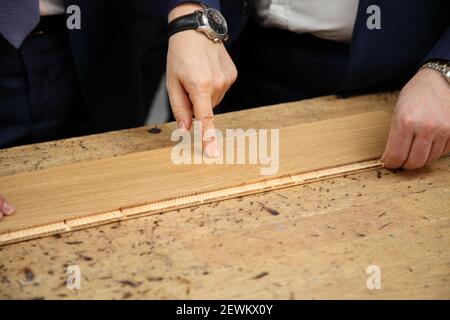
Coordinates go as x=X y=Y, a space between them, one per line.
x=183 y=9
x=438 y=67
x=208 y=21
x=430 y=79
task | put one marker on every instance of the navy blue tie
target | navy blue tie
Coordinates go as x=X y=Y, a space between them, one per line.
x=17 y=19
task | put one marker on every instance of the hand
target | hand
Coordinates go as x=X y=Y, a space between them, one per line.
x=5 y=208
x=199 y=73
x=420 y=129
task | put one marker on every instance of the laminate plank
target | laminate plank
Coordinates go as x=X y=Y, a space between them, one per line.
x=112 y=185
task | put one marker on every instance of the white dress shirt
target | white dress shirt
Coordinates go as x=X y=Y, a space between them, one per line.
x=327 y=19
x=51 y=7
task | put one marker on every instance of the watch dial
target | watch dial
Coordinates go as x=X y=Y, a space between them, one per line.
x=216 y=22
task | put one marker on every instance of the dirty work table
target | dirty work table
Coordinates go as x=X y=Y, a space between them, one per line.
x=310 y=241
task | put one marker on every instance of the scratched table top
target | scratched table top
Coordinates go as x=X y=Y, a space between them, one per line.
x=312 y=241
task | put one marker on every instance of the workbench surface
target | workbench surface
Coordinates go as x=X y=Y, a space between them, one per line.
x=310 y=241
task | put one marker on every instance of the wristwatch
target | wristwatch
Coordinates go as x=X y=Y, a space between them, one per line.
x=208 y=21
x=442 y=66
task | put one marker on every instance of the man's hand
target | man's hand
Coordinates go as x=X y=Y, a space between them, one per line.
x=199 y=73
x=5 y=208
x=420 y=130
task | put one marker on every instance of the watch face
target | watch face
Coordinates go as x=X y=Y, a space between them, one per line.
x=216 y=21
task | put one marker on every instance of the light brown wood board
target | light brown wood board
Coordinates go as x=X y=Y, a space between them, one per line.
x=84 y=194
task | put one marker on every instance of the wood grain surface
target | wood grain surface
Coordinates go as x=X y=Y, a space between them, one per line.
x=305 y=242
x=52 y=200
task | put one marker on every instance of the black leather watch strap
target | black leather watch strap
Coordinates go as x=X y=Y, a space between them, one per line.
x=183 y=23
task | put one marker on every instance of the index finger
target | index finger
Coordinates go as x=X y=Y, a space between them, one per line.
x=203 y=112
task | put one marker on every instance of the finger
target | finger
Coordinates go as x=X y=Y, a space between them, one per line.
x=180 y=104
x=219 y=100
x=398 y=145
x=447 y=148
x=231 y=77
x=419 y=153
x=203 y=112
x=220 y=87
x=6 y=209
x=437 y=149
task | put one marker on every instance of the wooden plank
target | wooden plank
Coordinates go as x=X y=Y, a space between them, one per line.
x=124 y=187
x=118 y=143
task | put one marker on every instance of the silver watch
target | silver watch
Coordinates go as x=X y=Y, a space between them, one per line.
x=442 y=66
x=213 y=24
x=208 y=21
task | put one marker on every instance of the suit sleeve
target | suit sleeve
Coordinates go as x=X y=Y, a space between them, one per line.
x=442 y=49
x=209 y=3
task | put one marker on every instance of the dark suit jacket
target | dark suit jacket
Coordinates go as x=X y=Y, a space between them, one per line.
x=106 y=53
x=412 y=32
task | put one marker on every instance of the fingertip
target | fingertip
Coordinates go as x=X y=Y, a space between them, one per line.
x=184 y=124
x=181 y=125
x=181 y=105
x=188 y=122
x=8 y=209
x=394 y=158
x=211 y=150
x=390 y=163
x=385 y=159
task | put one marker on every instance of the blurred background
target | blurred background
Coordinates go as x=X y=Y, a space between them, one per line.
x=159 y=106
